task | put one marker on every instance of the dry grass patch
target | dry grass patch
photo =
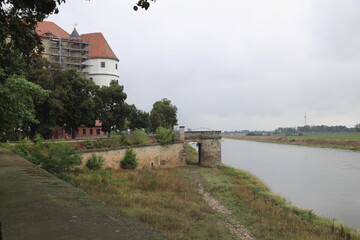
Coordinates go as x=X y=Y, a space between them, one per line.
x=166 y=199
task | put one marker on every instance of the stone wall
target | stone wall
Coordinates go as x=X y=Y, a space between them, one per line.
x=210 y=152
x=155 y=156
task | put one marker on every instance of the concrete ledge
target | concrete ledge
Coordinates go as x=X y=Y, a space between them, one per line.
x=35 y=205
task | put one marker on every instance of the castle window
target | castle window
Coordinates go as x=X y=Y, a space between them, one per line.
x=115 y=65
x=103 y=64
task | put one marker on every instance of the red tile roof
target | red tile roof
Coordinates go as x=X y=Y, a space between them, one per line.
x=50 y=27
x=99 y=48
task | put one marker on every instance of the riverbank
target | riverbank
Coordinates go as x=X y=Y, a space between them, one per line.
x=325 y=142
x=169 y=200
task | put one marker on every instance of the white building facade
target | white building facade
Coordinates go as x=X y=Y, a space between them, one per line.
x=102 y=70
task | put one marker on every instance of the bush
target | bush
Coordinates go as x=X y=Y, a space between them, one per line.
x=55 y=158
x=124 y=140
x=23 y=148
x=95 y=162
x=103 y=177
x=129 y=161
x=165 y=135
x=89 y=144
x=139 y=137
x=100 y=143
x=6 y=145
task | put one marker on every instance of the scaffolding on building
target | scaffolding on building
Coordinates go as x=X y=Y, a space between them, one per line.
x=71 y=52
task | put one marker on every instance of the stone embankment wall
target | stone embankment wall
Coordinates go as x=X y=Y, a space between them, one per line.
x=154 y=156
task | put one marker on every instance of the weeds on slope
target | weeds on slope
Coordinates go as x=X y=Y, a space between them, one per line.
x=166 y=199
x=266 y=215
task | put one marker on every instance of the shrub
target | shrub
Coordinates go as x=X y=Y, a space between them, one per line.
x=6 y=145
x=124 y=140
x=100 y=143
x=139 y=137
x=95 y=162
x=89 y=144
x=23 y=148
x=103 y=177
x=129 y=161
x=165 y=135
x=55 y=158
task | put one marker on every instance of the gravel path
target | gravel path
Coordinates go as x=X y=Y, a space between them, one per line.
x=231 y=223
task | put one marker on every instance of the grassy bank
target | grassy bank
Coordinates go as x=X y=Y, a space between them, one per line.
x=168 y=200
x=325 y=140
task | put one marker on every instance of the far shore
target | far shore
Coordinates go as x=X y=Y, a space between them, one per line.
x=348 y=144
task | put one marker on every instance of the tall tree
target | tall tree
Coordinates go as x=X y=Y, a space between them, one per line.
x=163 y=114
x=113 y=110
x=79 y=101
x=137 y=118
x=50 y=108
x=16 y=103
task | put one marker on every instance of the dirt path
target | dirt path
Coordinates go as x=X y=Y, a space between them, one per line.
x=230 y=221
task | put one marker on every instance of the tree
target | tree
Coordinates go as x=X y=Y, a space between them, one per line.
x=80 y=101
x=18 y=19
x=16 y=103
x=129 y=161
x=50 y=108
x=357 y=127
x=145 y=4
x=163 y=114
x=137 y=118
x=113 y=110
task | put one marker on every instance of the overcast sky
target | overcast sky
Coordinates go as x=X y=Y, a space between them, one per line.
x=234 y=64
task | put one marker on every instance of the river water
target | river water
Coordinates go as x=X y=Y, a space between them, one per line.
x=324 y=180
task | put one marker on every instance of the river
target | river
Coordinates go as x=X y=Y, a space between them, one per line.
x=324 y=180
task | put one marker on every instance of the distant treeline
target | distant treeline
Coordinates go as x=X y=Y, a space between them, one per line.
x=288 y=131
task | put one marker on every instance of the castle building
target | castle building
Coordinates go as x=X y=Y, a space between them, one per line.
x=102 y=62
x=89 y=53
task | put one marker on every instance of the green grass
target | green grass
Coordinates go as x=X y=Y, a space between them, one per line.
x=335 y=135
x=349 y=141
x=168 y=200
x=266 y=215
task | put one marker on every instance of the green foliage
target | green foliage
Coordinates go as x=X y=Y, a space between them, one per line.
x=23 y=148
x=102 y=177
x=129 y=161
x=137 y=118
x=124 y=140
x=113 y=110
x=79 y=101
x=6 y=145
x=163 y=114
x=139 y=137
x=16 y=103
x=95 y=162
x=99 y=143
x=113 y=141
x=165 y=135
x=89 y=144
x=55 y=158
